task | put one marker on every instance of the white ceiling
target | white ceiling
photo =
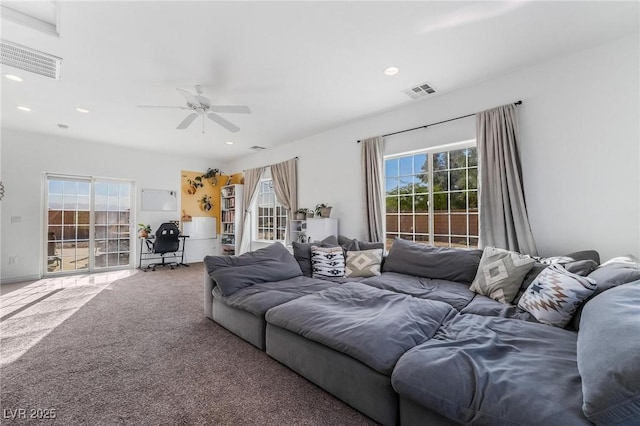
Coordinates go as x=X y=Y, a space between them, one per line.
x=302 y=67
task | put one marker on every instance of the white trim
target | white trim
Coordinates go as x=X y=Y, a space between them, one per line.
x=446 y=147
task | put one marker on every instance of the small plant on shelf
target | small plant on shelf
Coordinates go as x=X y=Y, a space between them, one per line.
x=301 y=214
x=144 y=230
x=206 y=203
x=323 y=210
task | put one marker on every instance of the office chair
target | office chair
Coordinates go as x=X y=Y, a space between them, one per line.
x=167 y=241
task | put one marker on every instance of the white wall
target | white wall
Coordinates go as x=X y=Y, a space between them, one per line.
x=27 y=156
x=579 y=148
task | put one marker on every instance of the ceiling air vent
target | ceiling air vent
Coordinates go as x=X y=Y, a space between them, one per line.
x=31 y=60
x=258 y=148
x=420 y=91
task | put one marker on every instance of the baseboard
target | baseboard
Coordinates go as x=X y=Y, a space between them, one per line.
x=19 y=279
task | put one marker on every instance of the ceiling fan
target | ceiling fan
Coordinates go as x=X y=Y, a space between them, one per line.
x=201 y=106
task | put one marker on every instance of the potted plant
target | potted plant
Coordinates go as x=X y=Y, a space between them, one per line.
x=323 y=210
x=206 y=203
x=194 y=185
x=144 y=230
x=301 y=214
x=309 y=214
x=211 y=176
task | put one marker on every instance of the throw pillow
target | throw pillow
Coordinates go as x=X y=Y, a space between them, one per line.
x=363 y=263
x=500 y=274
x=327 y=262
x=555 y=295
x=302 y=252
x=348 y=244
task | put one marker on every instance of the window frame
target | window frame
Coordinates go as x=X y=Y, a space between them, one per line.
x=431 y=237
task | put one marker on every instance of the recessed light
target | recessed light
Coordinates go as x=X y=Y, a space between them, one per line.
x=229 y=143
x=24 y=108
x=13 y=77
x=82 y=110
x=63 y=126
x=391 y=71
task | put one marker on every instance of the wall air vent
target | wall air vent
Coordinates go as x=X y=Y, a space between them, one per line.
x=31 y=60
x=419 y=91
x=258 y=148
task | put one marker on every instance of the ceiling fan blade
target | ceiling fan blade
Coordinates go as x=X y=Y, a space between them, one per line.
x=189 y=97
x=160 y=106
x=235 y=109
x=187 y=121
x=224 y=123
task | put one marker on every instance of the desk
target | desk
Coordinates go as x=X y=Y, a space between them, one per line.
x=146 y=253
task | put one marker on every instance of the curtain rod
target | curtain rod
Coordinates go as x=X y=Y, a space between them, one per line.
x=433 y=124
x=294 y=158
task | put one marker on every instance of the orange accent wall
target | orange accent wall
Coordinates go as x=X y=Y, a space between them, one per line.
x=190 y=205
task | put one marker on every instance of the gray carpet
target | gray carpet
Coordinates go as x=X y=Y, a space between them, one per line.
x=141 y=352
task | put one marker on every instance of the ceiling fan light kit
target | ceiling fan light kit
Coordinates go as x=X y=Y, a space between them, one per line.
x=201 y=106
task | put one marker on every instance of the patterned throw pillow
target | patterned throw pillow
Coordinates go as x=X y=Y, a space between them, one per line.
x=327 y=262
x=555 y=295
x=500 y=274
x=363 y=263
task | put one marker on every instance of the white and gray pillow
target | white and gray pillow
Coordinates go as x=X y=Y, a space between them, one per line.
x=500 y=274
x=327 y=262
x=555 y=294
x=363 y=263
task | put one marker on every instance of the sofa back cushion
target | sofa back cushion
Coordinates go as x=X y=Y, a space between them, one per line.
x=269 y=264
x=421 y=260
x=609 y=356
x=302 y=252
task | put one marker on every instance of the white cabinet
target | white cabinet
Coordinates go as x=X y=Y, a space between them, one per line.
x=309 y=230
x=203 y=239
x=230 y=218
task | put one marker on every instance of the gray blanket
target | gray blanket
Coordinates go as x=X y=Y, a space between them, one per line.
x=373 y=326
x=455 y=294
x=259 y=298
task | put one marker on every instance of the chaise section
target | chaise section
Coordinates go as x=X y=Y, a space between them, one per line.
x=347 y=339
x=493 y=371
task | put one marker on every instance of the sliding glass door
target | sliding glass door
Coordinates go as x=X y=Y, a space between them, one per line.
x=88 y=224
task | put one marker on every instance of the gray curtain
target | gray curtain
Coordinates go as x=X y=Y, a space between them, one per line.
x=251 y=186
x=503 y=213
x=372 y=177
x=285 y=185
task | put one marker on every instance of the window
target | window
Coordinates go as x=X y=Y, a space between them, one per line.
x=272 y=217
x=432 y=196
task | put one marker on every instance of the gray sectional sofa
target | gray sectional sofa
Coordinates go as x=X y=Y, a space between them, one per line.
x=415 y=345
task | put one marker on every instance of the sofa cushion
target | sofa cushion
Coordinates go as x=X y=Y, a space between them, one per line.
x=373 y=326
x=421 y=260
x=302 y=252
x=453 y=293
x=369 y=245
x=495 y=371
x=272 y=263
x=612 y=273
x=348 y=244
x=500 y=273
x=363 y=263
x=327 y=262
x=609 y=356
x=555 y=295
